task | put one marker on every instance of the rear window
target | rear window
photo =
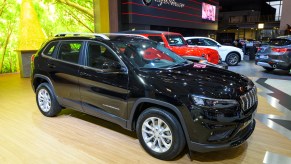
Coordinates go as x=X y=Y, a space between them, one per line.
x=279 y=42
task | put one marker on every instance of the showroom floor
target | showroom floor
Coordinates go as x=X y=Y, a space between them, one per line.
x=26 y=136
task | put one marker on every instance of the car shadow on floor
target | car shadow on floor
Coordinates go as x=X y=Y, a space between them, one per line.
x=98 y=121
x=193 y=156
x=222 y=155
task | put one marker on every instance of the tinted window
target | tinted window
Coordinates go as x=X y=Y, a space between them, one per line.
x=156 y=38
x=49 y=50
x=70 y=51
x=279 y=42
x=193 y=42
x=208 y=42
x=100 y=56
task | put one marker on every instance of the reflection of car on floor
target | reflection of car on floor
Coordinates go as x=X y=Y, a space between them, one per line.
x=230 y=54
x=142 y=86
x=176 y=43
x=276 y=55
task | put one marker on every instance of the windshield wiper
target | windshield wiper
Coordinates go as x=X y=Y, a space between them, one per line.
x=181 y=64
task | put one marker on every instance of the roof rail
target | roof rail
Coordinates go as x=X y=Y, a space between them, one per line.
x=82 y=34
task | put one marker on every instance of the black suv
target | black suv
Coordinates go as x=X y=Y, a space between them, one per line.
x=142 y=86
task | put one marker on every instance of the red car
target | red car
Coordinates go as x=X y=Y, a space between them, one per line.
x=176 y=43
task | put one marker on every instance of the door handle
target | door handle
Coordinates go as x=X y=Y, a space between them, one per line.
x=51 y=66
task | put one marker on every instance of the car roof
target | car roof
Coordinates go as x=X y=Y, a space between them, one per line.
x=196 y=37
x=149 y=32
x=284 y=37
x=95 y=36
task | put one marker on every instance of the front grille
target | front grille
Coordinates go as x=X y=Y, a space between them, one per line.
x=249 y=99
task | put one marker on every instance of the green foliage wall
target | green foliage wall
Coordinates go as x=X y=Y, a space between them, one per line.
x=9 y=9
x=55 y=16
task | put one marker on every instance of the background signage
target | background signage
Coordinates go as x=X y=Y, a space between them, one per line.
x=174 y=13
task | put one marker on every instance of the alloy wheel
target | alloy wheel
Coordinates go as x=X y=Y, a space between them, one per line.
x=233 y=59
x=44 y=100
x=157 y=135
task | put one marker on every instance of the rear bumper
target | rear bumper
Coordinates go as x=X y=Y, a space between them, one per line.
x=276 y=64
x=242 y=136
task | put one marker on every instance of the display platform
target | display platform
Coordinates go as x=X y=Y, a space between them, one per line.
x=26 y=136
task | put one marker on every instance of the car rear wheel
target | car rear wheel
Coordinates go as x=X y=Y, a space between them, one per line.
x=232 y=59
x=160 y=134
x=46 y=101
x=268 y=69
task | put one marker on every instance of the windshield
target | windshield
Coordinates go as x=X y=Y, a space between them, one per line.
x=145 y=53
x=176 y=40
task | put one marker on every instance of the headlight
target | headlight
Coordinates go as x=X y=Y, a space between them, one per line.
x=213 y=103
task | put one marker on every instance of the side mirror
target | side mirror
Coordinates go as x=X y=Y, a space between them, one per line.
x=113 y=66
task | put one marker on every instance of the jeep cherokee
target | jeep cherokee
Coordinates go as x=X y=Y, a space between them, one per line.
x=142 y=86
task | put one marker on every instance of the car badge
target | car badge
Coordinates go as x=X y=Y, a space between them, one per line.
x=198 y=65
x=147 y=2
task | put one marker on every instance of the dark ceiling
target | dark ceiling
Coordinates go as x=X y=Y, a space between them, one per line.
x=235 y=2
x=237 y=5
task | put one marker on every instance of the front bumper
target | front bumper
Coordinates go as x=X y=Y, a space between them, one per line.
x=242 y=135
x=217 y=130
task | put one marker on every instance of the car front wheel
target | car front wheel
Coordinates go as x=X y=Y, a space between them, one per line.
x=232 y=59
x=160 y=134
x=46 y=101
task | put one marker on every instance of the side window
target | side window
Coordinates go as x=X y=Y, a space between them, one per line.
x=208 y=42
x=49 y=50
x=100 y=57
x=193 y=42
x=70 y=51
x=156 y=38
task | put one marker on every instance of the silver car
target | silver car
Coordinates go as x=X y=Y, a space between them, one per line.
x=276 y=55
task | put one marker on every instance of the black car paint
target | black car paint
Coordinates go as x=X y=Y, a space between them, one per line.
x=130 y=89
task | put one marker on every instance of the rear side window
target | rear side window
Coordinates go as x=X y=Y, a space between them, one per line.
x=194 y=42
x=280 y=42
x=49 y=50
x=70 y=51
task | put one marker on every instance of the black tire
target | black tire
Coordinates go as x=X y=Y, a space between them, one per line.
x=46 y=100
x=232 y=59
x=172 y=141
x=268 y=69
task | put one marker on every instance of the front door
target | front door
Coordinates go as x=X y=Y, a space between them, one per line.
x=104 y=83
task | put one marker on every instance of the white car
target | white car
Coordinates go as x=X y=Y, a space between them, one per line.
x=230 y=54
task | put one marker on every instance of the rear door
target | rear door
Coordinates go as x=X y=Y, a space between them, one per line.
x=64 y=72
x=104 y=83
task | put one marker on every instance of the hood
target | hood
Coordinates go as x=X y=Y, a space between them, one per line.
x=205 y=81
x=211 y=55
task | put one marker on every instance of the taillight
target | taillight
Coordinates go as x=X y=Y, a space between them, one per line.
x=259 y=48
x=32 y=58
x=281 y=50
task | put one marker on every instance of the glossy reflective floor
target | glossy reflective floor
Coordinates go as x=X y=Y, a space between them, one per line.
x=28 y=137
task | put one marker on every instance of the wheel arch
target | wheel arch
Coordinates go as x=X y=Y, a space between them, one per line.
x=143 y=103
x=38 y=79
